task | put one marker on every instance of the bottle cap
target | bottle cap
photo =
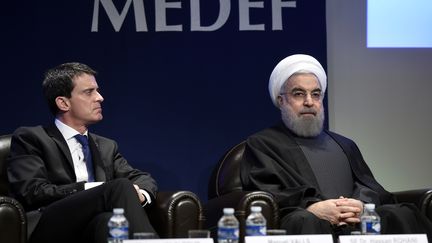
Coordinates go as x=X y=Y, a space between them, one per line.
x=228 y=210
x=118 y=210
x=369 y=206
x=256 y=209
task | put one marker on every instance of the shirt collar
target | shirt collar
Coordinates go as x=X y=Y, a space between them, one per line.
x=67 y=131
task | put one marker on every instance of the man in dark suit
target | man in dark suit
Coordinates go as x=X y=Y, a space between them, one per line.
x=71 y=179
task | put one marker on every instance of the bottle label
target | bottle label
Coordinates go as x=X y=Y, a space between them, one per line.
x=372 y=227
x=228 y=233
x=255 y=230
x=119 y=232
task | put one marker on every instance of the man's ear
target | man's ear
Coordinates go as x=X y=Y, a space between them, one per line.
x=62 y=103
x=279 y=101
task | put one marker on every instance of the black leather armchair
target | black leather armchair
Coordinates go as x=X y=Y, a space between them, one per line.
x=225 y=190
x=172 y=214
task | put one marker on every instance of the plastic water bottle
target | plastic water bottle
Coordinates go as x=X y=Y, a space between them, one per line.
x=228 y=227
x=370 y=220
x=118 y=226
x=256 y=224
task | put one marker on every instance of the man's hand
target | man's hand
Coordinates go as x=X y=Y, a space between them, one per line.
x=353 y=205
x=327 y=210
x=140 y=195
x=337 y=211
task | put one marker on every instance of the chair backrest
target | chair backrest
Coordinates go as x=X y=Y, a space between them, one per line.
x=226 y=175
x=5 y=142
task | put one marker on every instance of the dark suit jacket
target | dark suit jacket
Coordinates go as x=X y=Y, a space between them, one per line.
x=41 y=171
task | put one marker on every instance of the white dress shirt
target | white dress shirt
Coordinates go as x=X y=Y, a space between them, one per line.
x=75 y=148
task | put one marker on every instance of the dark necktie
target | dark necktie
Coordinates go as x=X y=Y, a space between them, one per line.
x=82 y=139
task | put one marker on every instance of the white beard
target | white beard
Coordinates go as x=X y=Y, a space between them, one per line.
x=302 y=126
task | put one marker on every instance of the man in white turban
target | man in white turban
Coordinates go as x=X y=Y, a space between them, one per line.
x=318 y=177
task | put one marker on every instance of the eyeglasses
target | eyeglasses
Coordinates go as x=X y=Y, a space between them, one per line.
x=301 y=95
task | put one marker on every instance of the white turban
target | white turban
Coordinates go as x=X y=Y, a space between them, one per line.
x=290 y=65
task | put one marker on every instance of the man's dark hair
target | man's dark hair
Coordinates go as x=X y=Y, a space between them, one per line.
x=58 y=81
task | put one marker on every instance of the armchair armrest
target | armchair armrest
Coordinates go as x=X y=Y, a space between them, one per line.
x=422 y=198
x=174 y=213
x=241 y=201
x=13 y=224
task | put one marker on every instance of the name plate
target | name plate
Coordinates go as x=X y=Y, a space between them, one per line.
x=406 y=238
x=289 y=239
x=176 y=240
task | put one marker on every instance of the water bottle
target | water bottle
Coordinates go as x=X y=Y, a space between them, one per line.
x=256 y=224
x=370 y=220
x=228 y=227
x=118 y=226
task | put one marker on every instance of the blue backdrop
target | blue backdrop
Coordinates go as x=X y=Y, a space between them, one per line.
x=183 y=80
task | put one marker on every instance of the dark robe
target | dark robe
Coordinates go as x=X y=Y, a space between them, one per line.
x=274 y=162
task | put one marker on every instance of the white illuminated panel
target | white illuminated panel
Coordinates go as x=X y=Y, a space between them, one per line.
x=399 y=23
